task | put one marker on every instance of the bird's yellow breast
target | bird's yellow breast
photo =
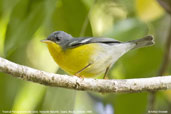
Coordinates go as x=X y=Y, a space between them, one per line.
x=72 y=60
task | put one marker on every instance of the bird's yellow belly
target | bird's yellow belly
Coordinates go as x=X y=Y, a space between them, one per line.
x=73 y=60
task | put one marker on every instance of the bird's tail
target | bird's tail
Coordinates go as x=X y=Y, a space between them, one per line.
x=146 y=41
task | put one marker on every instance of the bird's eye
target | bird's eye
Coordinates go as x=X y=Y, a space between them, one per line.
x=57 y=38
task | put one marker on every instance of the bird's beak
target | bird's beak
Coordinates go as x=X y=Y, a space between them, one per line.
x=46 y=41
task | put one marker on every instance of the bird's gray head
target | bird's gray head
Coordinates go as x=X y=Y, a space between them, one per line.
x=59 y=37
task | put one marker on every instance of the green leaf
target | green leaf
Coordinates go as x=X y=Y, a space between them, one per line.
x=141 y=62
x=83 y=102
x=132 y=103
x=25 y=19
x=6 y=6
x=3 y=26
x=8 y=88
x=58 y=99
x=104 y=14
x=128 y=29
x=1 y=9
x=29 y=97
x=71 y=18
x=162 y=102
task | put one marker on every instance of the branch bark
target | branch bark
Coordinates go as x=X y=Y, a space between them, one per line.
x=86 y=84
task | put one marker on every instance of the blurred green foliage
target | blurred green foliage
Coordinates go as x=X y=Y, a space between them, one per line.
x=23 y=23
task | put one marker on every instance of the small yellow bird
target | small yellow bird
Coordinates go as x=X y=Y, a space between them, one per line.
x=89 y=56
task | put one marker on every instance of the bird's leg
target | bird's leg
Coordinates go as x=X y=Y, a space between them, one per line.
x=106 y=72
x=78 y=73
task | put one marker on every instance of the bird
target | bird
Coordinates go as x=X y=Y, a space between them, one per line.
x=89 y=56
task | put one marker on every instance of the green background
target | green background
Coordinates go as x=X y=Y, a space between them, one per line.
x=23 y=23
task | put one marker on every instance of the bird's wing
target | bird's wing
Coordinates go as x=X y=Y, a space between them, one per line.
x=86 y=40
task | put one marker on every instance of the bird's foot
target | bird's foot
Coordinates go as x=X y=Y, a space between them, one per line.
x=105 y=78
x=80 y=76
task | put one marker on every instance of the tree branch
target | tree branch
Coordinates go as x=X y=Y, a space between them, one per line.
x=73 y=82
